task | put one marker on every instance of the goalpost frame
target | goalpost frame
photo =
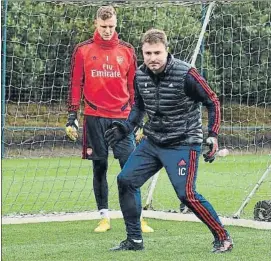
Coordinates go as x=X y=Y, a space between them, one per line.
x=3 y=78
x=256 y=187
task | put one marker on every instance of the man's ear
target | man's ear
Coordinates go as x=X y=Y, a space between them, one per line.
x=95 y=23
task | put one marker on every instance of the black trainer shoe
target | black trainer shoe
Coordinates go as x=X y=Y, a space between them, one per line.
x=222 y=246
x=128 y=244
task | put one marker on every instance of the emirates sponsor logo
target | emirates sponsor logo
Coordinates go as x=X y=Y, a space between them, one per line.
x=105 y=74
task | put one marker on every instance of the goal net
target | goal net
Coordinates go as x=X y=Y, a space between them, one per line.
x=228 y=41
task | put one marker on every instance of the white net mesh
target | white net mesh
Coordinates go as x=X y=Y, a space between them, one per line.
x=43 y=171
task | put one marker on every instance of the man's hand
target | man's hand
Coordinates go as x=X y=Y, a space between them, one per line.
x=72 y=126
x=118 y=132
x=209 y=156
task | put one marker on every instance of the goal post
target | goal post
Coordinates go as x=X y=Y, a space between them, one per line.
x=42 y=171
x=201 y=36
x=248 y=198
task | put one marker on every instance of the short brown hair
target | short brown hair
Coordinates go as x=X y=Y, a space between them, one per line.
x=106 y=12
x=154 y=36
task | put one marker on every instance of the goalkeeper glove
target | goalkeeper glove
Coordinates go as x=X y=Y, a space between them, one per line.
x=72 y=126
x=209 y=156
x=117 y=132
x=139 y=136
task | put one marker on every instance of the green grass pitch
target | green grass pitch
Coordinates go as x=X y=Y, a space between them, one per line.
x=171 y=241
x=48 y=185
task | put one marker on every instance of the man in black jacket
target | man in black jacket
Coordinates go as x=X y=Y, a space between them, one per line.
x=170 y=92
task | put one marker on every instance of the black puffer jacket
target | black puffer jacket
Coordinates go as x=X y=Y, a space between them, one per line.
x=173 y=117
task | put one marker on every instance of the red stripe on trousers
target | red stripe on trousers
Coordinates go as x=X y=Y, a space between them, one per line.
x=201 y=210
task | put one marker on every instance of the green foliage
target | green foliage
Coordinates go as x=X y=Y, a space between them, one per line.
x=42 y=35
x=240 y=34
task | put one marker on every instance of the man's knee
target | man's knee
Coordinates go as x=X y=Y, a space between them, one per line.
x=122 y=160
x=122 y=180
x=184 y=196
x=190 y=197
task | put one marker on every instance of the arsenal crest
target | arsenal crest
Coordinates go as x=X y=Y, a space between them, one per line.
x=120 y=59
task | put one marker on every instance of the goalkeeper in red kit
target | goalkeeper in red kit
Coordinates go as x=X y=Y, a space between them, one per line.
x=102 y=72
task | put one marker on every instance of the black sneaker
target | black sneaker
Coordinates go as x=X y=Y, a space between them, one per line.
x=128 y=244
x=222 y=246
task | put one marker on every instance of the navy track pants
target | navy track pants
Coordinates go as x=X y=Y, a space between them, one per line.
x=181 y=164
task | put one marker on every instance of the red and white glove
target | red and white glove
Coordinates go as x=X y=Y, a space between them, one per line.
x=209 y=156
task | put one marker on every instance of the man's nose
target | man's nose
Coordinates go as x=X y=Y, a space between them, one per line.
x=152 y=57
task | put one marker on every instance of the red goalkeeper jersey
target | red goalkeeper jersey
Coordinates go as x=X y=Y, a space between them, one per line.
x=104 y=72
